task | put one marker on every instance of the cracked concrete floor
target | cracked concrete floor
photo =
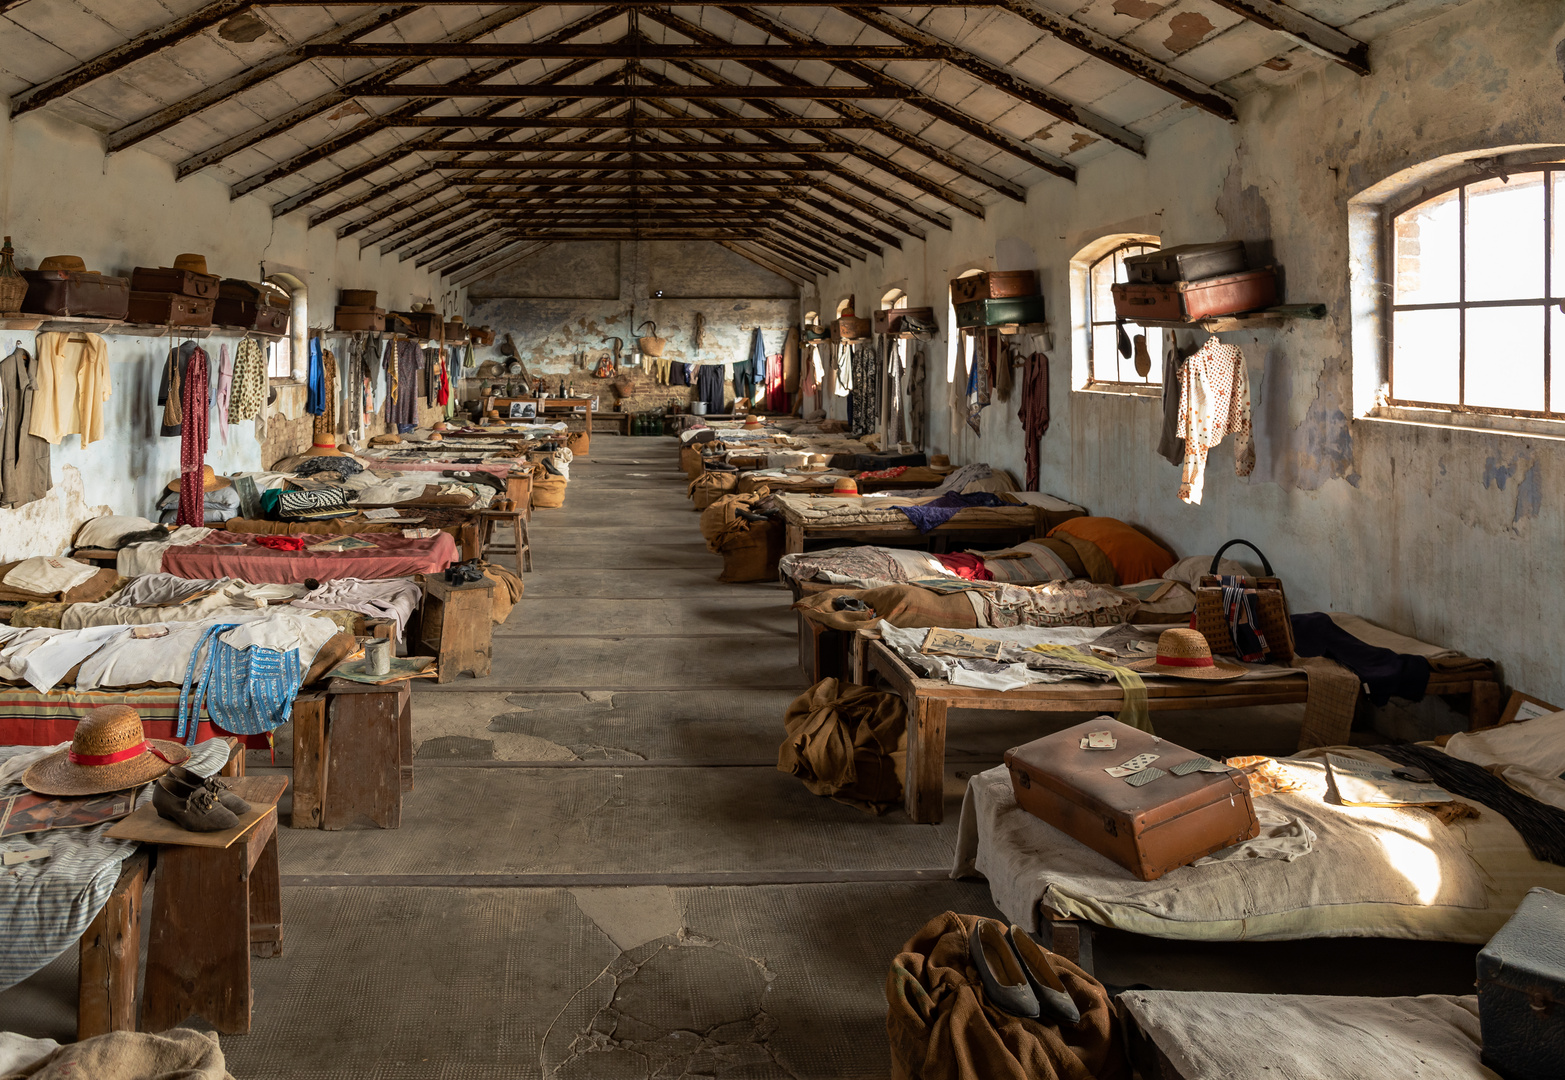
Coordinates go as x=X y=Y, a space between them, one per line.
x=602 y=874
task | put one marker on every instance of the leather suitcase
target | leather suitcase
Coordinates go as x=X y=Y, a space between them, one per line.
x=1163 y=825
x=994 y=285
x=889 y=320
x=1187 y=262
x=354 y=319
x=482 y=335
x=72 y=294
x=1521 y=991
x=164 y=279
x=1009 y=312
x=851 y=328
x=421 y=324
x=251 y=305
x=1189 y=301
x=167 y=309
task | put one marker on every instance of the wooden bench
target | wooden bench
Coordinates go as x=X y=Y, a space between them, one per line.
x=504 y=512
x=457 y=625
x=352 y=755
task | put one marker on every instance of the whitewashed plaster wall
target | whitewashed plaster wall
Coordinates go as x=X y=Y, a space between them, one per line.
x=60 y=194
x=1451 y=535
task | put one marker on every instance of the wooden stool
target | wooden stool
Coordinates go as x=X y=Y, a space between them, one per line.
x=216 y=901
x=110 y=953
x=457 y=626
x=504 y=513
x=352 y=755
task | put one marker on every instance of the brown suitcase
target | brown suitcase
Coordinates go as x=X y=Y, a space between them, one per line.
x=1149 y=830
x=251 y=305
x=482 y=335
x=1189 y=301
x=995 y=285
x=850 y=328
x=165 y=279
x=889 y=320
x=354 y=319
x=72 y=294
x=423 y=324
x=167 y=309
x=356 y=297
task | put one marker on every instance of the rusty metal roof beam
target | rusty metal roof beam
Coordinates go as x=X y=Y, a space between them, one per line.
x=379 y=191
x=257 y=73
x=678 y=123
x=432 y=236
x=918 y=100
x=771 y=187
x=534 y=165
x=507 y=256
x=430 y=218
x=1316 y=36
x=468 y=146
x=478 y=251
x=481 y=232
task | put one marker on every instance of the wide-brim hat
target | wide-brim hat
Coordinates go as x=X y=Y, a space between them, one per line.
x=192 y=262
x=845 y=486
x=70 y=264
x=1184 y=654
x=326 y=449
x=210 y=481
x=753 y=421
x=109 y=752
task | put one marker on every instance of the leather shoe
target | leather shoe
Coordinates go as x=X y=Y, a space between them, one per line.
x=181 y=781
x=1054 y=1001
x=1004 y=982
x=197 y=811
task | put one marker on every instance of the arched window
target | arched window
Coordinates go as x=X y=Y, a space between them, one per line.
x=1105 y=364
x=1478 y=273
x=843 y=305
x=893 y=300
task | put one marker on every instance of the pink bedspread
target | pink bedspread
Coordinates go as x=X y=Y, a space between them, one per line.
x=502 y=469
x=393 y=555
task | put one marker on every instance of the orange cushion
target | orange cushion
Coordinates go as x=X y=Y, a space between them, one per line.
x=1134 y=555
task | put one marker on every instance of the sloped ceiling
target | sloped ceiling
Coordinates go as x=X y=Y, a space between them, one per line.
x=800 y=134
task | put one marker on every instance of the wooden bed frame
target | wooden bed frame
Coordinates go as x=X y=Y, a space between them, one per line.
x=929 y=701
x=1017 y=522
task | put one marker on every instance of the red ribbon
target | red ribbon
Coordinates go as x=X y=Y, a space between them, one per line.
x=1185 y=661
x=140 y=748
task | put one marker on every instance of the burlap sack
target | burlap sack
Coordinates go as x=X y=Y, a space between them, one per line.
x=690 y=461
x=942 y=1028
x=548 y=491
x=706 y=488
x=848 y=742
x=751 y=553
x=722 y=515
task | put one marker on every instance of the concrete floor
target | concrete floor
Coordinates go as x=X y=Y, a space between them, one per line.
x=602 y=874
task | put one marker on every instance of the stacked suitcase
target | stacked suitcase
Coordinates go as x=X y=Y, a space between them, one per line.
x=356 y=311
x=251 y=305
x=68 y=293
x=998 y=298
x=166 y=296
x=1192 y=282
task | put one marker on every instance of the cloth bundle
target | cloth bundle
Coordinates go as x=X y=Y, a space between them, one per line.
x=848 y=742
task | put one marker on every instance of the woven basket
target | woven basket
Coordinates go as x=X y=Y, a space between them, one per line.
x=1271 y=610
x=549 y=491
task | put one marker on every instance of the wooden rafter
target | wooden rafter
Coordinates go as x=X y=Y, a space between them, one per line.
x=1307 y=30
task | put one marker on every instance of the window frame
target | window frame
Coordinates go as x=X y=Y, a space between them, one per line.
x=1116 y=386
x=1388 y=403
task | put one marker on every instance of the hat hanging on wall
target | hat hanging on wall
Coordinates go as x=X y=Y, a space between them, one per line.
x=210 y=481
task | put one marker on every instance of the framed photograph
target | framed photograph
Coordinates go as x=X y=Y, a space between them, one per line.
x=524 y=410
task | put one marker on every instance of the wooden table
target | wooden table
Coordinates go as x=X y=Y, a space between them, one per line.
x=929 y=701
x=561 y=409
x=352 y=755
x=986 y=524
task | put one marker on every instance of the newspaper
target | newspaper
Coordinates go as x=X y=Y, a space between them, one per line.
x=956 y=643
x=1360 y=783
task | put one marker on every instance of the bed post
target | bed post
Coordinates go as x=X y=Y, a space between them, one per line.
x=1072 y=939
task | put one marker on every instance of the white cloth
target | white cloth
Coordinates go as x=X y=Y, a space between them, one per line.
x=387 y=598
x=49 y=574
x=1214 y=401
x=147 y=558
x=283 y=629
x=18 y=1051
x=1529 y=756
x=44 y=663
x=1221 y=1036
x=1281 y=837
x=107 y=531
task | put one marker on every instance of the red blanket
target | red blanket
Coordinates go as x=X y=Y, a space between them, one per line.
x=29 y=718
x=248 y=560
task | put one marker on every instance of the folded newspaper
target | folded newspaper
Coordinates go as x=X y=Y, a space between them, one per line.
x=1361 y=783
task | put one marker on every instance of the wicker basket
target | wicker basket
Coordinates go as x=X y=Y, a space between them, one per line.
x=1271 y=610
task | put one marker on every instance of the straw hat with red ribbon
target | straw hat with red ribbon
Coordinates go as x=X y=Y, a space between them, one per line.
x=845 y=485
x=753 y=421
x=1185 y=654
x=109 y=752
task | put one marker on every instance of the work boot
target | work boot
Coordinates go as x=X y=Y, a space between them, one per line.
x=196 y=810
x=181 y=781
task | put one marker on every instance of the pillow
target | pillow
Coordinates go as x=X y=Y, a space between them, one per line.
x=1529 y=755
x=1133 y=555
x=1190 y=571
x=1027 y=564
x=107 y=532
x=48 y=574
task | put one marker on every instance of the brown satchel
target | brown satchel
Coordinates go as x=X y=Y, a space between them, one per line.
x=651 y=345
x=1271 y=609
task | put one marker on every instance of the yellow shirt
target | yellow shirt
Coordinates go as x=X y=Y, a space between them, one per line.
x=73 y=384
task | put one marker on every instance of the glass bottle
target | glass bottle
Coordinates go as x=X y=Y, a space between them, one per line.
x=13 y=286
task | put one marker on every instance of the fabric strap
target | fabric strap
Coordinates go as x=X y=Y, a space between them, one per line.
x=1243 y=623
x=140 y=748
x=1134 y=712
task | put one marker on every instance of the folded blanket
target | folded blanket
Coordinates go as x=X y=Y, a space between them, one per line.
x=935 y=513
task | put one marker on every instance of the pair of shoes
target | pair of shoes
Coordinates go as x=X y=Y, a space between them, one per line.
x=196 y=803
x=1017 y=976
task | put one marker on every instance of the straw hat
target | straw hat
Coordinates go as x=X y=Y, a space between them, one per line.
x=752 y=421
x=1186 y=655
x=325 y=449
x=845 y=486
x=70 y=264
x=109 y=752
x=196 y=264
x=210 y=481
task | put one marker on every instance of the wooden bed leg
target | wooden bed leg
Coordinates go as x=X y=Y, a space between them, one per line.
x=1483 y=708
x=309 y=761
x=794 y=541
x=1072 y=939
x=924 y=784
x=111 y=956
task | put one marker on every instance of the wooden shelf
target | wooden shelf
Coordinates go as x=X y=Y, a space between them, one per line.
x=61 y=324
x=1218 y=324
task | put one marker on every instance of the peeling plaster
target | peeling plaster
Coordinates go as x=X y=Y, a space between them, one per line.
x=1187 y=30
x=1137 y=9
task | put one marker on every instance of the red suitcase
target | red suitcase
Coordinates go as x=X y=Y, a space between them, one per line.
x=1190 y=301
x=994 y=285
x=1149 y=830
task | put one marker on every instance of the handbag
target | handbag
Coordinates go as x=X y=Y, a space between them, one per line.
x=1271 y=609
x=652 y=345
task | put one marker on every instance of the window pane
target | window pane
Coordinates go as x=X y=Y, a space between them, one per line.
x=1428 y=258
x=1505 y=238
x=1558 y=282
x=1505 y=358
x=1425 y=359
x=1556 y=354
x=1104 y=358
x=1102 y=298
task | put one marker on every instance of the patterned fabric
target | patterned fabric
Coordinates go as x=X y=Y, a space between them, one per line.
x=1243 y=622
x=325 y=429
x=247 y=397
x=1214 y=401
x=192 y=440
x=220 y=392
x=1057 y=603
x=1025 y=564
x=246 y=691
x=917 y=397
x=404 y=370
x=864 y=397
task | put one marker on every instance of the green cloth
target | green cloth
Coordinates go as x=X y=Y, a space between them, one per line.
x=1134 y=712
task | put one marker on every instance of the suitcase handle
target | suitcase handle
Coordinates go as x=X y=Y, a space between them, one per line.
x=1140 y=301
x=1266 y=566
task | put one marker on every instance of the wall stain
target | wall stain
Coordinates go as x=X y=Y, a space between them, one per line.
x=1187 y=30
x=1137 y=9
x=1278 y=63
x=1529 y=495
x=243 y=28
x=1495 y=474
x=1080 y=140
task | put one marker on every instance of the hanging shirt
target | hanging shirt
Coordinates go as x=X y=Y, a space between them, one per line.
x=72 y=384
x=1214 y=401
x=247 y=395
x=315 y=403
x=1034 y=412
x=222 y=387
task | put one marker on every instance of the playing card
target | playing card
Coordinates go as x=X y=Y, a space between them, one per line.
x=1185 y=768
x=1103 y=740
x=1120 y=771
x=1135 y=764
x=1145 y=776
